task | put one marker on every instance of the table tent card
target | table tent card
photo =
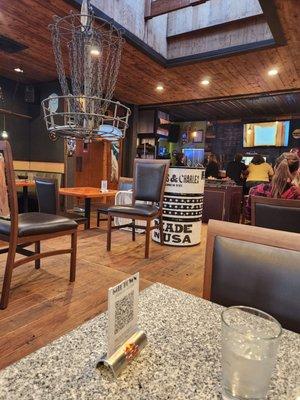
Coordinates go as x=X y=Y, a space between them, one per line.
x=125 y=340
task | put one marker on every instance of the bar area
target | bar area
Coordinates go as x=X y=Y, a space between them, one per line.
x=149 y=200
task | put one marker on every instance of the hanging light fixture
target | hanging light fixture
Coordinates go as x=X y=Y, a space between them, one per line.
x=296 y=133
x=88 y=50
x=4 y=133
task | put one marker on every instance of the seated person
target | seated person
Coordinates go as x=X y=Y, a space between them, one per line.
x=180 y=160
x=235 y=170
x=258 y=171
x=212 y=168
x=282 y=187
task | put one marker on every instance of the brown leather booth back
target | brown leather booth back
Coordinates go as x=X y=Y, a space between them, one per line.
x=47 y=195
x=149 y=179
x=277 y=217
x=260 y=276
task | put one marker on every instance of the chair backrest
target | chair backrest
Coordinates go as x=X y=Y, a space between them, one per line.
x=281 y=214
x=125 y=183
x=8 y=191
x=47 y=195
x=253 y=266
x=149 y=180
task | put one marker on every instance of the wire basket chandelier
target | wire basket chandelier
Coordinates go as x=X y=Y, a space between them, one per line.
x=87 y=53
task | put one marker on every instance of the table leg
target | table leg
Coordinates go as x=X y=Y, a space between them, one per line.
x=87 y=212
x=25 y=199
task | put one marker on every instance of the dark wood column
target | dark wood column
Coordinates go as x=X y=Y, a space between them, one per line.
x=129 y=145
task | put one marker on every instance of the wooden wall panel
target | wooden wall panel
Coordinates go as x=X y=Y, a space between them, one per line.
x=156 y=34
x=213 y=12
x=131 y=15
x=236 y=34
x=90 y=164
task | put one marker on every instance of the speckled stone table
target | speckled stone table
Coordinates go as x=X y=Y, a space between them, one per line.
x=181 y=361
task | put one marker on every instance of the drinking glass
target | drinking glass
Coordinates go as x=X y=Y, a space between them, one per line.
x=104 y=186
x=250 y=340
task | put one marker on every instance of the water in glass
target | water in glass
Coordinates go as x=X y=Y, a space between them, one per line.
x=249 y=347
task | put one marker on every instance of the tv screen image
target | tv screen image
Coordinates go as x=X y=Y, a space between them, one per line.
x=195 y=157
x=267 y=134
x=247 y=159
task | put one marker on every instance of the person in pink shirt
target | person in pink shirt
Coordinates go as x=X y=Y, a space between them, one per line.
x=281 y=186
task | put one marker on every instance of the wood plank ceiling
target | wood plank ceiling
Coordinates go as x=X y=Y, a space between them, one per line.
x=26 y=21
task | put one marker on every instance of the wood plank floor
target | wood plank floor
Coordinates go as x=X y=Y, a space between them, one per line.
x=44 y=305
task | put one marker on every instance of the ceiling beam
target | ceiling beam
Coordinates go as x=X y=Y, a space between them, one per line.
x=270 y=12
x=8 y=112
x=160 y=7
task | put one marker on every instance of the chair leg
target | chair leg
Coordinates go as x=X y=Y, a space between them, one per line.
x=133 y=230
x=73 y=257
x=147 y=245
x=37 y=249
x=108 y=242
x=7 y=276
x=98 y=219
x=161 y=230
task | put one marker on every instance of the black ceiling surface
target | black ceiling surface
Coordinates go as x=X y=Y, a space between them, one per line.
x=251 y=108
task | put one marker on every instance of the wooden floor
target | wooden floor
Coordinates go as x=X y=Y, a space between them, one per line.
x=44 y=305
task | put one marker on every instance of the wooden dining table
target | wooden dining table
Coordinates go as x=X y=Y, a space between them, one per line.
x=87 y=193
x=25 y=184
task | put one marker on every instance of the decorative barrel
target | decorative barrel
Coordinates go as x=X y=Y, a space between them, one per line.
x=182 y=207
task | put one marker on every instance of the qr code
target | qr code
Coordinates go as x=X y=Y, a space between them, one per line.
x=124 y=312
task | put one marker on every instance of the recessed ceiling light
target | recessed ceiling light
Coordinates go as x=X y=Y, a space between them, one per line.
x=273 y=72
x=95 y=51
x=159 y=87
x=205 y=82
x=18 y=70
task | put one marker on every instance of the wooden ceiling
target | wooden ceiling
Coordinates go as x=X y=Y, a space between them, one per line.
x=250 y=108
x=26 y=21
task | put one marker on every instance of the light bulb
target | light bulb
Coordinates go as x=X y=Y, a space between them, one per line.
x=273 y=72
x=95 y=51
x=4 y=135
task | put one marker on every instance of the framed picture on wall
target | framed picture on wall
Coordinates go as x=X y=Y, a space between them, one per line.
x=198 y=136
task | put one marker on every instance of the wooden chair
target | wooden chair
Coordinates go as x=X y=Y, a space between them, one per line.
x=149 y=180
x=124 y=184
x=48 y=199
x=280 y=214
x=256 y=267
x=25 y=229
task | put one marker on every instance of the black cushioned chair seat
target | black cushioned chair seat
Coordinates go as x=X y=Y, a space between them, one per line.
x=103 y=208
x=260 y=276
x=38 y=223
x=144 y=210
x=76 y=217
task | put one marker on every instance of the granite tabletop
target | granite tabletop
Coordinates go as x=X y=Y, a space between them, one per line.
x=181 y=361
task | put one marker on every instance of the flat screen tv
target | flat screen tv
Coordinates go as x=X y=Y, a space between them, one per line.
x=247 y=159
x=267 y=134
